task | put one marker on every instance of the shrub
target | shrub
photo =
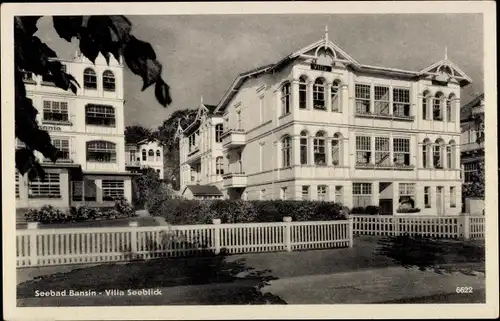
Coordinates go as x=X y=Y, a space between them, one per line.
x=358 y=210
x=124 y=208
x=372 y=210
x=408 y=210
x=179 y=212
x=85 y=213
x=46 y=214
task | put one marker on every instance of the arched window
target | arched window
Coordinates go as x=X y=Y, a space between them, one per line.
x=219 y=165
x=319 y=94
x=337 y=149
x=304 y=148
x=151 y=155
x=285 y=99
x=426 y=153
x=450 y=113
x=158 y=155
x=450 y=154
x=108 y=81
x=335 y=96
x=144 y=155
x=437 y=108
x=319 y=149
x=219 y=129
x=437 y=153
x=101 y=151
x=89 y=79
x=286 y=151
x=303 y=92
x=425 y=105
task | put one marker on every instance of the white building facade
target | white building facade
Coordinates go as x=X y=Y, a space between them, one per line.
x=88 y=129
x=319 y=125
x=146 y=153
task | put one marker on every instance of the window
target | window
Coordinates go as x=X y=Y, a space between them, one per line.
x=100 y=115
x=304 y=148
x=362 y=194
x=336 y=146
x=319 y=94
x=286 y=151
x=151 y=155
x=112 y=189
x=401 y=148
x=56 y=111
x=284 y=193
x=362 y=93
x=305 y=193
x=453 y=197
x=427 y=197
x=89 y=79
x=219 y=129
x=425 y=105
x=285 y=99
x=401 y=102
x=49 y=188
x=101 y=151
x=319 y=149
x=302 y=93
x=449 y=157
x=381 y=100
x=437 y=157
x=426 y=153
x=17 y=184
x=158 y=155
x=339 y=194
x=219 y=166
x=63 y=146
x=363 y=149
x=382 y=151
x=322 y=193
x=449 y=109
x=108 y=81
x=335 y=97
x=407 y=194
x=437 y=112
x=469 y=169
x=144 y=157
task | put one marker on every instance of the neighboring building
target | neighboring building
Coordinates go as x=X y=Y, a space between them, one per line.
x=471 y=152
x=146 y=153
x=88 y=129
x=319 y=125
x=202 y=192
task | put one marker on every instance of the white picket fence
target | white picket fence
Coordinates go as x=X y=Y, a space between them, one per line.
x=45 y=247
x=454 y=227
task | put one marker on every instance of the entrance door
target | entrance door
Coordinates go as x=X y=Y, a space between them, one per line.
x=440 y=200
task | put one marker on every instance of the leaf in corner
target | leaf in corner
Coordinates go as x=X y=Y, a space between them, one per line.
x=162 y=93
x=67 y=27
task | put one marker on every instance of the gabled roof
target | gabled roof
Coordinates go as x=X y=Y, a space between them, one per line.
x=203 y=190
x=445 y=69
x=203 y=110
x=466 y=110
x=341 y=57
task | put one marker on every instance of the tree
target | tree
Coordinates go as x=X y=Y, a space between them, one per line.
x=166 y=134
x=143 y=186
x=475 y=187
x=136 y=133
x=107 y=35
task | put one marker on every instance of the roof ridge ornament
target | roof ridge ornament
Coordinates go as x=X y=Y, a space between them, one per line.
x=446 y=53
x=326 y=35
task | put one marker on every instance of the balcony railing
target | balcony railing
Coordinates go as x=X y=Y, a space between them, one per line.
x=471 y=146
x=235 y=180
x=395 y=166
x=233 y=138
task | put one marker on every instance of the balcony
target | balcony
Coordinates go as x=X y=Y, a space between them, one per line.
x=468 y=147
x=398 y=116
x=398 y=166
x=234 y=180
x=233 y=138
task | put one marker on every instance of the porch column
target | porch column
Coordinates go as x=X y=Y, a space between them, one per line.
x=375 y=193
x=328 y=94
x=98 y=192
x=310 y=145
x=296 y=150
x=310 y=100
x=295 y=97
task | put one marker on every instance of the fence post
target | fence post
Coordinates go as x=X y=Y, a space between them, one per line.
x=351 y=231
x=217 y=222
x=133 y=239
x=288 y=234
x=396 y=228
x=465 y=226
x=32 y=227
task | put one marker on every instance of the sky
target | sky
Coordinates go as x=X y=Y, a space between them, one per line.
x=202 y=54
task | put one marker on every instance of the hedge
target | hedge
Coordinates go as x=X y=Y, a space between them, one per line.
x=187 y=212
x=48 y=214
